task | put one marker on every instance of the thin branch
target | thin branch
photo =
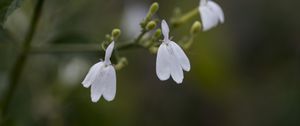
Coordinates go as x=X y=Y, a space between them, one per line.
x=77 y=48
x=21 y=59
x=184 y=18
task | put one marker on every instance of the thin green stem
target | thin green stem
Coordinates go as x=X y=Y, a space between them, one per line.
x=21 y=59
x=138 y=39
x=77 y=48
x=184 y=18
x=66 y=48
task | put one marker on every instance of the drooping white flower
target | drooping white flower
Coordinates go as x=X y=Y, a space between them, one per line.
x=211 y=14
x=102 y=78
x=171 y=59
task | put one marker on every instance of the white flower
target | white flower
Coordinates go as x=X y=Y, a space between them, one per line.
x=171 y=59
x=102 y=78
x=211 y=14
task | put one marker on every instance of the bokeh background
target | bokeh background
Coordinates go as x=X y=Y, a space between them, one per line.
x=245 y=72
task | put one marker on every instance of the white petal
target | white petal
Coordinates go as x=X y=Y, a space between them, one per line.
x=175 y=67
x=177 y=73
x=110 y=84
x=208 y=17
x=181 y=57
x=91 y=76
x=162 y=63
x=217 y=10
x=98 y=85
x=165 y=29
x=108 y=52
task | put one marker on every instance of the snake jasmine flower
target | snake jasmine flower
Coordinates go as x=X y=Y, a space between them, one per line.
x=102 y=78
x=211 y=14
x=171 y=59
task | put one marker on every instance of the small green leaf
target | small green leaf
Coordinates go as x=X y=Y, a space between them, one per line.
x=7 y=7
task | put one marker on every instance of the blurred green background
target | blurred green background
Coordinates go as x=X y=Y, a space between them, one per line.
x=245 y=72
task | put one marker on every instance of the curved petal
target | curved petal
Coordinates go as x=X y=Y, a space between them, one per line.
x=162 y=63
x=165 y=29
x=110 y=84
x=108 y=52
x=181 y=57
x=175 y=68
x=208 y=17
x=91 y=76
x=217 y=10
x=98 y=85
x=177 y=73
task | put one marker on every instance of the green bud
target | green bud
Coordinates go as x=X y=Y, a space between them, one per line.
x=116 y=33
x=154 y=7
x=151 y=25
x=153 y=49
x=143 y=24
x=147 y=44
x=121 y=63
x=196 y=27
x=157 y=33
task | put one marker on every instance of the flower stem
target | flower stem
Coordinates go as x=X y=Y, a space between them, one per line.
x=138 y=39
x=76 y=48
x=184 y=18
x=21 y=59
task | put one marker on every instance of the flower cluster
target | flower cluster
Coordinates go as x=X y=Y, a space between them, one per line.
x=171 y=60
